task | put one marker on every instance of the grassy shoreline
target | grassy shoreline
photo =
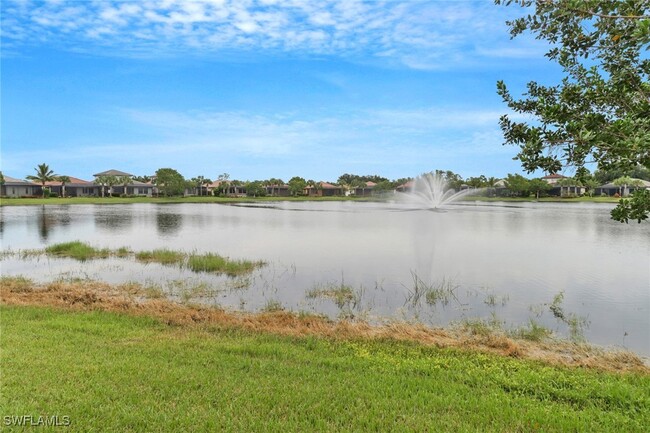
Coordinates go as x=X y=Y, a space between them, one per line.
x=110 y=360
x=162 y=200
x=225 y=200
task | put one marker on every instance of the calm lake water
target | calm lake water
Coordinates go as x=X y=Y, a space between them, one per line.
x=500 y=260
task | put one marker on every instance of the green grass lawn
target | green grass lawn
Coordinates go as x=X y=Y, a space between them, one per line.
x=115 y=372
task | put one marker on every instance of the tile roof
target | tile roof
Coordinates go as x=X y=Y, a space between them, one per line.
x=13 y=180
x=112 y=173
x=73 y=181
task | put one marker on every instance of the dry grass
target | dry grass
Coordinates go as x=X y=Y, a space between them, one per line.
x=129 y=299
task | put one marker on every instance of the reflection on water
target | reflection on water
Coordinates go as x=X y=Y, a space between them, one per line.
x=111 y=219
x=168 y=222
x=45 y=222
x=488 y=253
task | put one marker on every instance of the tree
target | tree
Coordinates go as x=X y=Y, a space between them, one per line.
x=273 y=182
x=206 y=182
x=255 y=189
x=43 y=175
x=197 y=182
x=110 y=182
x=454 y=181
x=235 y=185
x=297 y=185
x=223 y=182
x=170 y=182
x=590 y=185
x=537 y=186
x=143 y=179
x=124 y=181
x=624 y=182
x=518 y=185
x=104 y=181
x=477 y=182
x=2 y=178
x=384 y=187
x=63 y=180
x=600 y=112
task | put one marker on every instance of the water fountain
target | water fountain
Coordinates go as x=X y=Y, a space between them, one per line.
x=429 y=191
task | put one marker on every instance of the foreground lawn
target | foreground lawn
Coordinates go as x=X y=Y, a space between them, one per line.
x=117 y=372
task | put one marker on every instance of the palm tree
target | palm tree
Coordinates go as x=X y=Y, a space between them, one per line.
x=43 y=175
x=223 y=183
x=106 y=181
x=206 y=182
x=273 y=182
x=236 y=184
x=124 y=181
x=63 y=180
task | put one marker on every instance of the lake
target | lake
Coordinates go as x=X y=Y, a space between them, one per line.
x=490 y=261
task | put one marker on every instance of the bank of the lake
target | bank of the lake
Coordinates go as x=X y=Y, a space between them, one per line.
x=127 y=370
x=194 y=199
x=163 y=200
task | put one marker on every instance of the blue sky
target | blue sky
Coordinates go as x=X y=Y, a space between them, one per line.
x=260 y=89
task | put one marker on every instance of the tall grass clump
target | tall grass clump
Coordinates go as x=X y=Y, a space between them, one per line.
x=211 y=262
x=16 y=284
x=576 y=324
x=341 y=294
x=76 y=250
x=442 y=291
x=533 y=332
x=163 y=256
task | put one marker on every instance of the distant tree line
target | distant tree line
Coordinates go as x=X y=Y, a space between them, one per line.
x=169 y=182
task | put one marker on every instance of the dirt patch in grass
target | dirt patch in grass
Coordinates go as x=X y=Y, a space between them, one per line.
x=131 y=299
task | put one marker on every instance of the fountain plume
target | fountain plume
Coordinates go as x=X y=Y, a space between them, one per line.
x=431 y=191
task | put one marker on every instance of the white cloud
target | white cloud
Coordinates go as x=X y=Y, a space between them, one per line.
x=423 y=34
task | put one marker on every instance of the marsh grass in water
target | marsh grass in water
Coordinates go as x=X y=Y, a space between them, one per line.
x=442 y=292
x=345 y=297
x=341 y=294
x=163 y=256
x=483 y=327
x=77 y=250
x=272 y=306
x=532 y=332
x=208 y=262
x=215 y=263
x=576 y=324
x=493 y=300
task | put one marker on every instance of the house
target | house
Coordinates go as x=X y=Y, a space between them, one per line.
x=137 y=188
x=277 y=190
x=553 y=178
x=228 y=188
x=610 y=189
x=75 y=188
x=13 y=187
x=365 y=190
x=134 y=187
x=569 y=191
x=406 y=187
x=112 y=172
x=323 y=189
